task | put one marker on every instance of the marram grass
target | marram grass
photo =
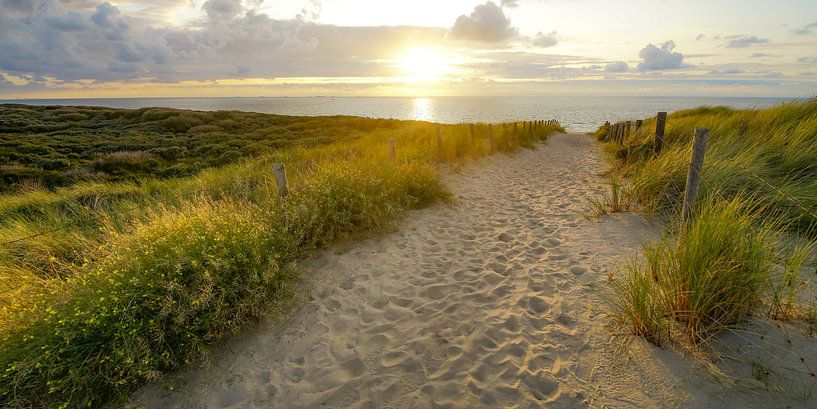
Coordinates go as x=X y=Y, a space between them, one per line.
x=770 y=152
x=136 y=278
x=735 y=258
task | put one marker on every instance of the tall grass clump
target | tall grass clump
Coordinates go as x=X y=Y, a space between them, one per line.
x=106 y=285
x=616 y=201
x=706 y=278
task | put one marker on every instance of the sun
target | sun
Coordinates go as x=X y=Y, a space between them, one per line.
x=423 y=64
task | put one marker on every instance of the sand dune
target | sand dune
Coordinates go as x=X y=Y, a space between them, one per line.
x=493 y=301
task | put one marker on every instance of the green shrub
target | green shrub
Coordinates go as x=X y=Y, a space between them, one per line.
x=72 y=117
x=157 y=114
x=204 y=129
x=161 y=294
x=181 y=123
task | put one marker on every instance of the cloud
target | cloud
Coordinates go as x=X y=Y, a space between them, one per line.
x=806 y=30
x=486 y=24
x=222 y=9
x=510 y=3
x=72 y=41
x=18 y=6
x=700 y=37
x=617 y=66
x=807 y=60
x=545 y=40
x=727 y=71
x=771 y=74
x=312 y=13
x=654 y=58
x=743 y=41
x=526 y=65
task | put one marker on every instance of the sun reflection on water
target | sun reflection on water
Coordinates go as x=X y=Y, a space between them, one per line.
x=422 y=109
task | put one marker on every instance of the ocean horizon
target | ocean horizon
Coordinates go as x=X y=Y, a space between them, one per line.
x=576 y=113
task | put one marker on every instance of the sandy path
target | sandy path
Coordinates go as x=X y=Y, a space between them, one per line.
x=491 y=302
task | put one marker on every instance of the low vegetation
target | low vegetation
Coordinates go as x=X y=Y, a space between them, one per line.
x=746 y=250
x=105 y=285
x=60 y=146
x=614 y=201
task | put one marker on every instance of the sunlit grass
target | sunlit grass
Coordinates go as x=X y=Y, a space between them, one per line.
x=134 y=278
x=753 y=231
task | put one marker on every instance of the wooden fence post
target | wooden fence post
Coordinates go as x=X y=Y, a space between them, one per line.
x=696 y=166
x=281 y=179
x=392 y=154
x=660 y=126
x=638 y=124
x=629 y=130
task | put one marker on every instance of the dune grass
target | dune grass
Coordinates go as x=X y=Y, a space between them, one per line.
x=135 y=278
x=771 y=153
x=616 y=201
x=736 y=257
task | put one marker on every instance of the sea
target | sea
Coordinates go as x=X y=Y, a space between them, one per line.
x=576 y=113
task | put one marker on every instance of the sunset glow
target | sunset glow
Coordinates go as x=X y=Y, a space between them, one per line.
x=422 y=64
x=59 y=48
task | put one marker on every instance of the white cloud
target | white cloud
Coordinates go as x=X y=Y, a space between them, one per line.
x=805 y=30
x=486 y=24
x=654 y=58
x=545 y=40
x=617 y=66
x=744 y=41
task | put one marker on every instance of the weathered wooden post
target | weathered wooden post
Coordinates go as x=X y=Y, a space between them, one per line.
x=696 y=166
x=629 y=129
x=660 y=126
x=440 y=140
x=281 y=179
x=610 y=133
x=638 y=124
x=392 y=154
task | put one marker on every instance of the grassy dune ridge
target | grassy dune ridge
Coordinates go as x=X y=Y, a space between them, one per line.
x=63 y=145
x=747 y=250
x=143 y=275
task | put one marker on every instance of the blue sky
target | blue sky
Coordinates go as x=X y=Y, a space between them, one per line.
x=88 y=48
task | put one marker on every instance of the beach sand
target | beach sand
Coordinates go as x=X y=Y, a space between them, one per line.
x=495 y=300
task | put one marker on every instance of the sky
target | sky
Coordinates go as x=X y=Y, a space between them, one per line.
x=187 y=48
